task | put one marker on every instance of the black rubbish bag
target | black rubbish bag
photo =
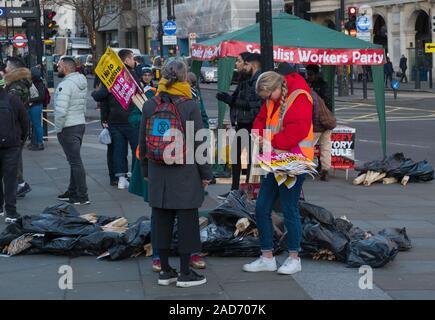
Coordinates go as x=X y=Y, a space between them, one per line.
x=58 y=226
x=220 y=241
x=376 y=252
x=318 y=213
x=133 y=240
x=99 y=242
x=316 y=236
x=398 y=236
x=383 y=165
x=10 y=233
x=343 y=225
x=57 y=246
x=235 y=207
x=62 y=210
x=421 y=172
x=356 y=233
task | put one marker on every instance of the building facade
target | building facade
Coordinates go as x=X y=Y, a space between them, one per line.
x=401 y=26
x=135 y=23
x=202 y=18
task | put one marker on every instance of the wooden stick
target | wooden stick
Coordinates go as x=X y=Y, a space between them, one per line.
x=141 y=99
x=389 y=180
x=138 y=104
x=405 y=180
x=380 y=177
x=360 y=179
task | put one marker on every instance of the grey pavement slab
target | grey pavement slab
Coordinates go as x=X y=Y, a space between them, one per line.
x=412 y=294
x=333 y=281
x=89 y=270
x=122 y=290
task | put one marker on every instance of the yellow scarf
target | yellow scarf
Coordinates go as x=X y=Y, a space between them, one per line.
x=177 y=89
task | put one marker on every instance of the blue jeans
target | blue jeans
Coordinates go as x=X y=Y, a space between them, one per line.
x=289 y=199
x=122 y=135
x=35 y=115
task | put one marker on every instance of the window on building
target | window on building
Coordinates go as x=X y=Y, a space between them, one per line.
x=149 y=3
x=126 y=5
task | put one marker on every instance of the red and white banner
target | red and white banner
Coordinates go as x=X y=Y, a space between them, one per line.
x=371 y=57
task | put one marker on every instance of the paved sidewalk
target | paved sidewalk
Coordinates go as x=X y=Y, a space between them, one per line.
x=411 y=275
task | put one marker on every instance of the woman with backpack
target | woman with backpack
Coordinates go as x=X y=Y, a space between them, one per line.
x=174 y=190
x=35 y=111
x=287 y=115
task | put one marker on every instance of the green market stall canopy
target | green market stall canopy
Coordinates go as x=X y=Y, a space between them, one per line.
x=296 y=41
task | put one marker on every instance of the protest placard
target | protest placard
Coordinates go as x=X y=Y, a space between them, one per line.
x=118 y=80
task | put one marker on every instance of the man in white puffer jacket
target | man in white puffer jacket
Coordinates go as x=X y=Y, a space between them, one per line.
x=69 y=119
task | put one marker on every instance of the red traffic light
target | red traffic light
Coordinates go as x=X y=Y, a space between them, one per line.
x=51 y=15
x=352 y=11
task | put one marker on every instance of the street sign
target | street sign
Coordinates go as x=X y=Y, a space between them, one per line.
x=20 y=41
x=364 y=23
x=169 y=40
x=18 y=12
x=429 y=47
x=170 y=28
x=365 y=36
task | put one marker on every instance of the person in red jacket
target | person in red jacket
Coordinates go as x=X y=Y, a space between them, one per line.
x=287 y=114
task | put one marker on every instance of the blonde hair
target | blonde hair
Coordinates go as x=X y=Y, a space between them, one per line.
x=270 y=81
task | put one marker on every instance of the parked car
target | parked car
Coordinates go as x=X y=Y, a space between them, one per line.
x=209 y=72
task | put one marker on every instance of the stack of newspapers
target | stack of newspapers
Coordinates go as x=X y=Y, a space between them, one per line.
x=286 y=166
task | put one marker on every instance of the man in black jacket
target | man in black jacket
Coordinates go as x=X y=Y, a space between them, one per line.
x=115 y=118
x=14 y=127
x=245 y=104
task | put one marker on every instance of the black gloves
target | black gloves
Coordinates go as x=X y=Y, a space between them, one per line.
x=224 y=97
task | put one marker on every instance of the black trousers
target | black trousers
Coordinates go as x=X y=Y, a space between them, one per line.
x=8 y=178
x=71 y=139
x=404 y=76
x=237 y=168
x=187 y=229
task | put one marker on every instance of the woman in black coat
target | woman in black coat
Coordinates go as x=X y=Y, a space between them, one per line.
x=175 y=190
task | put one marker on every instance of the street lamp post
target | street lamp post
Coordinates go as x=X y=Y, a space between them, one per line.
x=266 y=35
x=160 y=29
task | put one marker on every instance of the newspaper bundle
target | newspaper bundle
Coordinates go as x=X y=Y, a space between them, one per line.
x=286 y=166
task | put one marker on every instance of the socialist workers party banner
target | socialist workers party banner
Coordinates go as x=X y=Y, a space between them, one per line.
x=343 y=148
x=232 y=48
x=115 y=76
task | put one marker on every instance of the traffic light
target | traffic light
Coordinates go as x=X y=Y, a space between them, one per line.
x=50 y=26
x=351 y=24
x=433 y=23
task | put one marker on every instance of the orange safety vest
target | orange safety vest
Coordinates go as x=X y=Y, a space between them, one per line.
x=274 y=123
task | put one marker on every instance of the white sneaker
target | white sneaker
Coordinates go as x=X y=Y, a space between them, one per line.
x=123 y=183
x=261 y=264
x=290 y=266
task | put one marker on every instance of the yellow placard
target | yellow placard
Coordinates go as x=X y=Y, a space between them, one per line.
x=429 y=47
x=109 y=67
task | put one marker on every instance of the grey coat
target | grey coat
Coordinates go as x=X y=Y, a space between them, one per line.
x=174 y=186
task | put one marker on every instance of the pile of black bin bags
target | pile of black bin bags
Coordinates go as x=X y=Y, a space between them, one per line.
x=398 y=166
x=320 y=230
x=60 y=230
